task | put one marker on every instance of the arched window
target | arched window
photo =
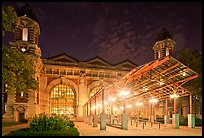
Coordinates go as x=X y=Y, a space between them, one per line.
x=167 y=51
x=25 y=34
x=94 y=90
x=62 y=100
x=158 y=54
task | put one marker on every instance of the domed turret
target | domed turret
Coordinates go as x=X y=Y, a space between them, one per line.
x=26 y=11
x=27 y=31
x=164 y=44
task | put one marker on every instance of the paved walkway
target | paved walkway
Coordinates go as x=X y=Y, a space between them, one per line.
x=6 y=130
x=88 y=130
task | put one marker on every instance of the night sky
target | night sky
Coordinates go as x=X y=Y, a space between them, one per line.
x=114 y=31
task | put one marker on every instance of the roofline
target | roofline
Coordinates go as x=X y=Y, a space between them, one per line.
x=98 y=58
x=126 y=61
x=62 y=55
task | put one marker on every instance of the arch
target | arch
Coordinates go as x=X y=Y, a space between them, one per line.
x=94 y=84
x=25 y=34
x=63 y=100
x=62 y=81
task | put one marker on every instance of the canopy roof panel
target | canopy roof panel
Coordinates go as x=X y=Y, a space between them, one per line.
x=156 y=79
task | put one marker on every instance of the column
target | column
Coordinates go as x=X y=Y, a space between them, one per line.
x=152 y=112
x=191 y=116
x=87 y=113
x=82 y=96
x=150 y=116
x=90 y=116
x=175 y=116
x=103 y=115
x=112 y=115
x=166 y=118
x=95 y=117
x=124 y=123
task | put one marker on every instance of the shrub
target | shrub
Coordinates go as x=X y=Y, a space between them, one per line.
x=198 y=122
x=184 y=122
x=71 y=124
x=28 y=132
x=44 y=123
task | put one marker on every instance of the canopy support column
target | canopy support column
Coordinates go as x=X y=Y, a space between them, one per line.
x=191 y=116
x=103 y=115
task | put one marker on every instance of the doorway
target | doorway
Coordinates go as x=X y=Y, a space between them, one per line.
x=21 y=117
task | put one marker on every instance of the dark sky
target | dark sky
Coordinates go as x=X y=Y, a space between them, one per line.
x=115 y=31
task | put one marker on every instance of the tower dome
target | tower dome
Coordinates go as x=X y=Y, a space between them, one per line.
x=164 y=34
x=27 y=11
x=27 y=31
x=164 y=44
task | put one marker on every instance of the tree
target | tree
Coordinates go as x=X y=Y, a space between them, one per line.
x=9 y=17
x=17 y=67
x=193 y=59
x=17 y=71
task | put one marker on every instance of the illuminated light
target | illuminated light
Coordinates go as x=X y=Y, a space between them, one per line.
x=129 y=106
x=61 y=112
x=21 y=94
x=145 y=88
x=183 y=74
x=153 y=100
x=121 y=107
x=92 y=108
x=105 y=103
x=174 y=96
x=98 y=105
x=23 y=49
x=161 y=82
x=115 y=109
x=139 y=104
x=111 y=99
x=185 y=70
x=124 y=93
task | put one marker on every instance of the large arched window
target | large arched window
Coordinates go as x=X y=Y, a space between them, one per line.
x=25 y=34
x=62 y=100
x=94 y=90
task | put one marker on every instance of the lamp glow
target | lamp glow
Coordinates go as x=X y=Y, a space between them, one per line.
x=174 y=96
x=23 y=49
x=153 y=100
x=124 y=93
x=129 y=106
x=121 y=107
x=139 y=104
x=111 y=99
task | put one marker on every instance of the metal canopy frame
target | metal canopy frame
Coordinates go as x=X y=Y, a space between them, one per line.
x=156 y=79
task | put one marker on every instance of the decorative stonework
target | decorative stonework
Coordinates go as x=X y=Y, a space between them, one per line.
x=20 y=107
x=65 y=81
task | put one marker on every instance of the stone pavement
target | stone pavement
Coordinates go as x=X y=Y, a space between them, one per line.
x=88 y=130
x=165 y=130
x=6 y=130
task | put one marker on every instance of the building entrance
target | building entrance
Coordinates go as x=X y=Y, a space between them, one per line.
x=63 y=100
x=21 y=117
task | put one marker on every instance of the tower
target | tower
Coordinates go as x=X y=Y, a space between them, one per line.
x=27 y=31
x=164 y=44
